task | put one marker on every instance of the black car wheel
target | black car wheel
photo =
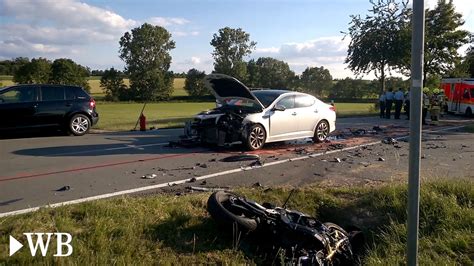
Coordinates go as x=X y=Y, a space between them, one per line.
x=79 y=125
x=321 y=132
x=256 y=137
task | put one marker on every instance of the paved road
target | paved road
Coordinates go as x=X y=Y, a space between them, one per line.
x=34 y=168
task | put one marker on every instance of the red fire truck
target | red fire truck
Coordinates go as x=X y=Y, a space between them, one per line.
x=459 y=95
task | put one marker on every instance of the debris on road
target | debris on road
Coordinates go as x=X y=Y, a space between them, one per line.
x=206 y=189
x=365 y=164
x=149 y=176
x=192 y=180
x=338 y=146
x=389 y=140
x=381 y=159
x=204 y=182
x=65 y=188
x=257 y=185
x=257 y=163
x=241 y=157
x=337 y=160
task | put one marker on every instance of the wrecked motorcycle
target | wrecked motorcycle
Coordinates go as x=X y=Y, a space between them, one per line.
x=305 y=240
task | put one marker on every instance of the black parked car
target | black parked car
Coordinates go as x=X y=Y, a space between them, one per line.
x=32 y=106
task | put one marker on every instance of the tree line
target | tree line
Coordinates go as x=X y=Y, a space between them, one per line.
x=379 y=42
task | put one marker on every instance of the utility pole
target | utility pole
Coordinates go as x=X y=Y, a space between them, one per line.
x=417 y=50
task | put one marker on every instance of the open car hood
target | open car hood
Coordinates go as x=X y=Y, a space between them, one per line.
x=229 y=90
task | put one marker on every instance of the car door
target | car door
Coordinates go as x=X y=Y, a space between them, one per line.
x=307 y=114
x=283 y=123
x=18 y=107
x=52 y=106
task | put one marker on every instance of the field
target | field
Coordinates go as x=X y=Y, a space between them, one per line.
x=96 y=90
x=123 y=116
x=172 y=230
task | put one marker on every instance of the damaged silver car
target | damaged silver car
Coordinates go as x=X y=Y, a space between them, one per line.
x=259 y=116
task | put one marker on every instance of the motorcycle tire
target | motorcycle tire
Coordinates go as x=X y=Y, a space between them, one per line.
x=218 y=211
x=346 y=257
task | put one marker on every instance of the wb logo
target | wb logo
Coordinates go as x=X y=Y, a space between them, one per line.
x=40 y=241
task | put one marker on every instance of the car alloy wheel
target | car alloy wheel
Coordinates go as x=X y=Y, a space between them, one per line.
x=79 y=125
x=322 y=131
x=256 y=137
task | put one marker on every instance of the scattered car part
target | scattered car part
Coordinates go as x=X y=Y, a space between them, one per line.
x=389 y=140
x=65 y=188
x=149 y=176
x=306 y=240
x=241 y=157
x=207 y=189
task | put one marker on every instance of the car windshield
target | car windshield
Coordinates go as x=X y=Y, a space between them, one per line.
x=266 y=97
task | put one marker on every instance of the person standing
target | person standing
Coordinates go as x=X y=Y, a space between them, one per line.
x=388 y=103
x=407 y=104
x=426 y=105
x=398 y=97
x=435 y=107
x=382 y=104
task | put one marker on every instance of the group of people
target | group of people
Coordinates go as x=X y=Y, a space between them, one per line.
x=433 y=101
x=390 y=99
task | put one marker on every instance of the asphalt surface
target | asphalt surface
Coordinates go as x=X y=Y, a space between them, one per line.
x=48 y=169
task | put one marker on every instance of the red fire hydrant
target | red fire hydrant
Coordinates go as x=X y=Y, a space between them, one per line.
x=142 y=122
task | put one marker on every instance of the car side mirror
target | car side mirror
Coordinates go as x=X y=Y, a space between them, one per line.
x=279 y=108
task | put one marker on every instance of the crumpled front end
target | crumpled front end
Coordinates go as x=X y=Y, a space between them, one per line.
x=218 y=128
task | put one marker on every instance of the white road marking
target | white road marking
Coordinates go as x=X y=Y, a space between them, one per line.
x=110 y=149
x=182 y=181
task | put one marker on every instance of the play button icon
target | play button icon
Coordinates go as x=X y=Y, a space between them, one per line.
x=15 y=245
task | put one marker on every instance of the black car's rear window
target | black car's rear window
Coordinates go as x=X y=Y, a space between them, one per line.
x=52 y=93
x=80 y=93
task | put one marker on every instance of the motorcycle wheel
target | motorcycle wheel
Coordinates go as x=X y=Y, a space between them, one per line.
x=218 y=206
x=345 y=256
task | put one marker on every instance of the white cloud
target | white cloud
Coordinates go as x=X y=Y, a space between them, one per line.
x=202 y=62
x=329 y=52
x=51 y=28
x=184 y=33
x=195 y=60
x=66 y=13
x=164 y=21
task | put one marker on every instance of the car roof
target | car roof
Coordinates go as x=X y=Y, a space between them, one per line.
x=31 y=85
x=278 y=91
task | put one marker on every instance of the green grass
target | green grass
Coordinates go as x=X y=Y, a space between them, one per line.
x=352 y=109
x=166 y=229
x=123 y=116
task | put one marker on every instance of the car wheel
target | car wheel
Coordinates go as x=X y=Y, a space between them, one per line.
x=256 y=137
x=321 y=132
x=79 y=125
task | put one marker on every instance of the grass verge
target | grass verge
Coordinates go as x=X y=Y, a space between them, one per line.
x=166 y=229
x=123 y=116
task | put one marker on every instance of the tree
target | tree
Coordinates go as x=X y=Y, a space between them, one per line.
x=469 y=60
x=316 y=80
x=230 y=47
x=67 y=72
x=36 y=71
x=443 y=38
x=194 y=83
x=269 y=72
x=380 y=41
x=112 y=84
x=146 y=53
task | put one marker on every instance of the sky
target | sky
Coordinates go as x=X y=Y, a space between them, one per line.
x=303 y=33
